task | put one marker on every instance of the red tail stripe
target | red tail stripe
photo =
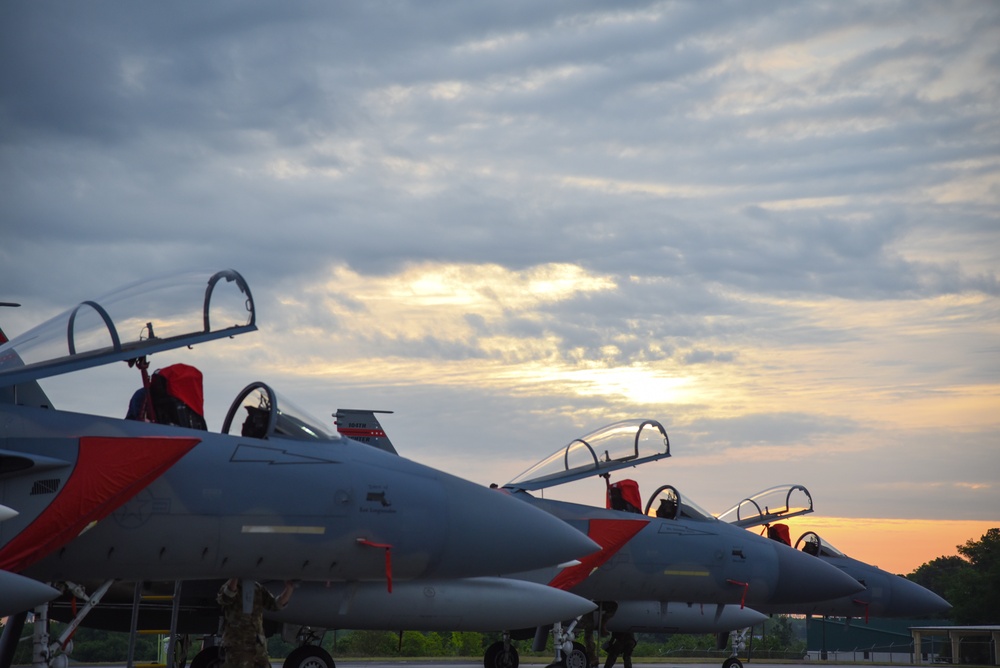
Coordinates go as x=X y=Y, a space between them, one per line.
x=351 y=432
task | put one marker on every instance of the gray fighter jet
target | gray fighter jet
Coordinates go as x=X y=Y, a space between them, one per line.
x=672 y=552
x=664 y=562
x=885 y=594
x=274 y=496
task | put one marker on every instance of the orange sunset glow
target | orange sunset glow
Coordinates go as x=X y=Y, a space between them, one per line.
x=896 y=545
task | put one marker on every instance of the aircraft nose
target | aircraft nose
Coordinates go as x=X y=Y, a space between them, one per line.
x=910 y=599
x=497 y=534
x=803 y=578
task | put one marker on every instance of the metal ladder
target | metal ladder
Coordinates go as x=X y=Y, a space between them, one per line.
x=138 y=598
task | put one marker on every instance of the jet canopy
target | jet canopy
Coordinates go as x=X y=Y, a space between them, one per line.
x=776 y=503
x=811 y=543
x=613 y=447
x=265 y=414
x=140 y=319
x=667 y=503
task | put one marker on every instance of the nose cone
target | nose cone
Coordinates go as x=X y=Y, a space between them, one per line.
x=21 y=593
x=733 y=617
x=908 y=599
x=803 y=578
x=519 y=604
x=492 y=533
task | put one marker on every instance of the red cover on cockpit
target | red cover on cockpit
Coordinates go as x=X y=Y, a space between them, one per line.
x=779 y=532
x=184 y=383
x=629 y=490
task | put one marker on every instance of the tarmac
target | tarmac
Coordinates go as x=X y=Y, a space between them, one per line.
x=664 y=663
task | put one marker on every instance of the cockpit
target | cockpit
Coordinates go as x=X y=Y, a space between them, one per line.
x=667 y=503
x=265 y=414
x=811 y=543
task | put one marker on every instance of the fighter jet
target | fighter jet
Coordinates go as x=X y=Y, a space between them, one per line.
x=275 y=495
x=885 y=594
x=678 y=552
x=662 y=563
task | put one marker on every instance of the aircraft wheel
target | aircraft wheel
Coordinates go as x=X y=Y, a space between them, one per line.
x=732 y=662
x=577 y=658
x=210 y=657
x=309 y=656
x=497 y=657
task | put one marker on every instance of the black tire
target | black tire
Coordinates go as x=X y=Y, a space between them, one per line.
x=309 y=656
x=497 y=657
x=210 y=657
x=577 y=658
x=732 y=662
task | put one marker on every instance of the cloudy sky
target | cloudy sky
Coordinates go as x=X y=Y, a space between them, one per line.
x=773 y=226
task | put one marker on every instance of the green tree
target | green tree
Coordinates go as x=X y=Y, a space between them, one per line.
x=937 y=574
x=975 y=589
x=678 y=643
x=467 y=643
x=370 y=643
x=414 y=644
x=778 y=635
x=970 y=582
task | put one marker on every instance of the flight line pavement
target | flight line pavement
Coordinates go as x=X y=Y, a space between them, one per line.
x=641 y=663
x=533 y=662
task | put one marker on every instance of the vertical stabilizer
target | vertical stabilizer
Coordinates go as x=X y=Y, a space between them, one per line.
x=25 y=394
x=362 y=425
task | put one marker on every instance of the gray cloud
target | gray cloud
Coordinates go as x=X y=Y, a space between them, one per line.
x=748 y=175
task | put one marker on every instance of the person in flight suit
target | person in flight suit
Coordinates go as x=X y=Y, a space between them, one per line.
x=243 y=642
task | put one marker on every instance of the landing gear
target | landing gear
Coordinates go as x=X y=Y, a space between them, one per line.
x=568 y=652
x=738 y=639
x=309 y=656
x=501 y=654
x=577 y=657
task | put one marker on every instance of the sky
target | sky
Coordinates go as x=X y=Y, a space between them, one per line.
x=771 y=226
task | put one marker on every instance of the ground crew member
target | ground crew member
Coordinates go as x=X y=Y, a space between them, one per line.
x=622 y=642
x=243 y=642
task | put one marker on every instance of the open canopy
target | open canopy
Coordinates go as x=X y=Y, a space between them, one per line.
x=616 y=446
x=141 y=319
x=776 y=503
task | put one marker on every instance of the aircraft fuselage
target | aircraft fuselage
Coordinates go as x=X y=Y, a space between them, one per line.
x=265 y=508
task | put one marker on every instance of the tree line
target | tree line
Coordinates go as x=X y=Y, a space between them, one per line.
x=970 y=581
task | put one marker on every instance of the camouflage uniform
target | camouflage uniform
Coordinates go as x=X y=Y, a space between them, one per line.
x=243 y=641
